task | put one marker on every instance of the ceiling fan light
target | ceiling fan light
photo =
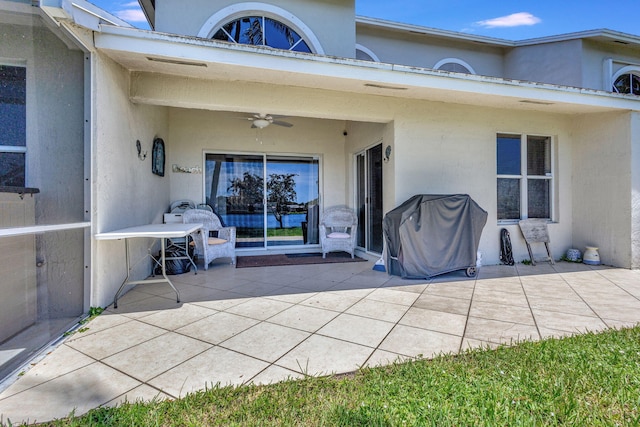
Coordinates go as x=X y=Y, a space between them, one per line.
x=261 y=123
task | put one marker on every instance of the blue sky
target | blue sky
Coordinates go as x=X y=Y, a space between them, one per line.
x=507 y=19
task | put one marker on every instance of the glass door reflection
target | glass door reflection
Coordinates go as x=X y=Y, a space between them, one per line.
x=292 y=200
x=234 y=186
x=271 y=200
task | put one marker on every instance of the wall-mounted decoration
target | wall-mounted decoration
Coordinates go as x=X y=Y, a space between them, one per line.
x=186 y=169
x=387 y=153
x=141 y=155
x=157 y=161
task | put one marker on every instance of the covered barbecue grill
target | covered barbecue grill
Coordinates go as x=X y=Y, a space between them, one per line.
x=433 y=234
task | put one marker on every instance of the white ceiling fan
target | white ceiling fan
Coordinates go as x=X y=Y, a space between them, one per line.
x=262 y=120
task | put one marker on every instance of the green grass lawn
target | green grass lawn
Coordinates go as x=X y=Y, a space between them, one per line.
x=586 y=380
x=284 y=232
x=271 y=232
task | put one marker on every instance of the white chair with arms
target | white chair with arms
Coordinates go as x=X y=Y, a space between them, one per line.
x=207 y=247
x=338 y=230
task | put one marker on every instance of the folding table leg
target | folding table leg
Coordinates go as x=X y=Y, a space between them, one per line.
x=163 y=245
x=533 y=261
x=549 y=253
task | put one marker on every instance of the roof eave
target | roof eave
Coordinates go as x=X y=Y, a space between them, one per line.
x=149 y=9
x=434 y=32
x=604 y=33
x=170 y=54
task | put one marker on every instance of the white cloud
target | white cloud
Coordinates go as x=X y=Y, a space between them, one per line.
x=513 y=20
x=132 y=4
x=131 y=15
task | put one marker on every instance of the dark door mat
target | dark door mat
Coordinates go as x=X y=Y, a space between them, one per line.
x=294 y=259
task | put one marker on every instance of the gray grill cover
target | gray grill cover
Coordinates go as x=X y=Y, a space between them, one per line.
x=433 y=234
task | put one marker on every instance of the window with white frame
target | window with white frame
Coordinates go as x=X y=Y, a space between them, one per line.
x=454 y=65
x=525 y=176
x=628 y=81
x=261 y=30
x=365 y=53
x=13 y=125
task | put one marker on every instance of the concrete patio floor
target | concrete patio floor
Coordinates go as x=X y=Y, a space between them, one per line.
x=268 y=324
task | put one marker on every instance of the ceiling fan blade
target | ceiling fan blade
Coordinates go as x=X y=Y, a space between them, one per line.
x=281 y=123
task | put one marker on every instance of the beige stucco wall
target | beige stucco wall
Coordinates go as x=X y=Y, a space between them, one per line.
x=635 y=190
x=437 y=147
x=364 y=135
x=422 y=51
x=193 y=132
x=332 y=21
x=125 y=192
x=602 y=178
x=438 y=152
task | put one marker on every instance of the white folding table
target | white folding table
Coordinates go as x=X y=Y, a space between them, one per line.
x=156 y=231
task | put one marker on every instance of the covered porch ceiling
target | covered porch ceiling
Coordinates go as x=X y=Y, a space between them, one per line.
x=157 y=59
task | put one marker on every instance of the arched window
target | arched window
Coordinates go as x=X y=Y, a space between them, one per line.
x=454 y=65
x=261 y=24
x=627 y=80
x=365 y=54
x=261 y=31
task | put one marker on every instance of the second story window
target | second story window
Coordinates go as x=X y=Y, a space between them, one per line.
x=454 y=65
x=628 y=83
x=262 y=31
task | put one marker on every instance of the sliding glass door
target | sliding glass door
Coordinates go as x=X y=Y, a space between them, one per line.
x=234 y=187
x=292 y=200
x=271 y=200
x=369 y=199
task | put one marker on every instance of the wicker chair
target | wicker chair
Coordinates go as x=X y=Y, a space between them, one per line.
x=338 y=230
x=207 y=247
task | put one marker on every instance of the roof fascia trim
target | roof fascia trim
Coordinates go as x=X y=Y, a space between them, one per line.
x=91 y=16
x=398 y=26
x=149 y=43
x=605 y=33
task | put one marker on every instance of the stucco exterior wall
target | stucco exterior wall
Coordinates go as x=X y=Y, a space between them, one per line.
x=54 y=140
x=448 y=149
x=602 y=185
x=436 y=147
x=423 y=51
x=194 y=132
x=361 y=136
x=556 y=63
x=332 y=21
x=593 y=61
x=635 y=190
x=125 y=192
x=55 y=154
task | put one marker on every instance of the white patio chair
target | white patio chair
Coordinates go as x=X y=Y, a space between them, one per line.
x=338 y=230
x=210 y=247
